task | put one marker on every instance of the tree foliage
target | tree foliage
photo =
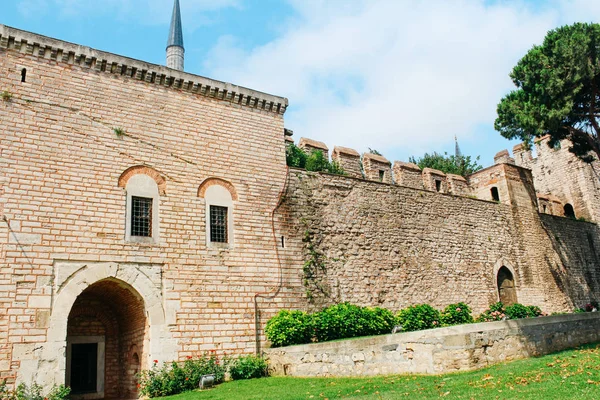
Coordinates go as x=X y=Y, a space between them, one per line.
x=557 y=91
x=449 y=164
x=313 y=161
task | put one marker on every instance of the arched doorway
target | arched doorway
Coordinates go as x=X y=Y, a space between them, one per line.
x=106 y=332
x=569 y=211
x=506 y=286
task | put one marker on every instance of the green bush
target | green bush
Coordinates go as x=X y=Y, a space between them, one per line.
x=313 y=161
x=378 y=321
x=494 y=313
x=295 y=156
x=456 y=314
x=339 y=321
x=535 y=311
x=290 y=327
x=517 y=311
x=418 y=317
x=248 y=367
x=173 y=378
x=33 y=392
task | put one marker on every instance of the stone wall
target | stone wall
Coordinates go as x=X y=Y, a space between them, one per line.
x=371 y=243
x=60 y=163
x=559 y=173
x=436 y=351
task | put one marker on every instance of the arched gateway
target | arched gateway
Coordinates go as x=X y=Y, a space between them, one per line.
x=107 y=323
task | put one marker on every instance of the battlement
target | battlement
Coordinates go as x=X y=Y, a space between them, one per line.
x=487 y=184
x=59 y=51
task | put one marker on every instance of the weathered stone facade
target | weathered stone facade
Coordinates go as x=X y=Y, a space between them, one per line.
x=93 y=144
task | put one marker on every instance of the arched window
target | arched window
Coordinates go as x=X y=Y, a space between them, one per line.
x=569 y=212
x=495 y=194
x=219 y=196
x=141 y=218
x=506 y=286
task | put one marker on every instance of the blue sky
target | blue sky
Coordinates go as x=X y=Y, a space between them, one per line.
x=401 y=76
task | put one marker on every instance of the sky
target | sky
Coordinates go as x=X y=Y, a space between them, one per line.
x=403 y=77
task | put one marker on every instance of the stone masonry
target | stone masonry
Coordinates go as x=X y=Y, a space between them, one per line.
x=93 y=144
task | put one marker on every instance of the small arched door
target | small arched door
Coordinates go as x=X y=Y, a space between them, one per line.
x=506 y=286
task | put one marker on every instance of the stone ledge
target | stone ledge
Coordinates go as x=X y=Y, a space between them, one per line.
x=60 y=51
x=435 y=351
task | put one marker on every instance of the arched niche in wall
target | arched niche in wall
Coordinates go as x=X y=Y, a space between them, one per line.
x=505 y=281
x=569 y=211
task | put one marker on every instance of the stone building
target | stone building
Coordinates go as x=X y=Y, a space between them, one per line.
x=148 y=214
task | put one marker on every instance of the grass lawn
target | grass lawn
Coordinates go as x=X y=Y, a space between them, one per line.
x=573 y=374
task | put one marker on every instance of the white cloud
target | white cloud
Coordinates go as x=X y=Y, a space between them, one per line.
x=394 y=74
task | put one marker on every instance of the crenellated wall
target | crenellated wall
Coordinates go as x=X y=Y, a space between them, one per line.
x=373 y=243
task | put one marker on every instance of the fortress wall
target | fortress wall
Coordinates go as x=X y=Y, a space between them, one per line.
x=380 y=244
x=578 y=246
x=60 y=163
x=560 y=173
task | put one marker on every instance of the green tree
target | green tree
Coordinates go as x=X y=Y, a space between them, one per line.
x=557 y=92
x=459 y=165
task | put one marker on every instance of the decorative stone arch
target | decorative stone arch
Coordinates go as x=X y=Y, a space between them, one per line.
x=142 y=169
x=498 y=267
x=160 y=344
x=217 y=181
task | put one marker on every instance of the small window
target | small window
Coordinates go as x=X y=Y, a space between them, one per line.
x=381 y=174
x=438 y=185
x=141 y=216
x=544 y=208
x=23 y=74
x=218 y=224
x=495 y=194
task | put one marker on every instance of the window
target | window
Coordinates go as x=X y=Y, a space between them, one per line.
x=23 y=74
x=219 y=196
x=141 y=216
x=381 y=175
x=438 y=185
x=218 y=224
x=141 y=219
x=495 y=194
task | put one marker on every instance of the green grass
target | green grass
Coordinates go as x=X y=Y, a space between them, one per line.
x=573 y=374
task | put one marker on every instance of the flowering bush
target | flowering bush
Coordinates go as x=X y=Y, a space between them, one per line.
x=456 y=314
x=421 y=316
x=494 y=313
x=173 y=378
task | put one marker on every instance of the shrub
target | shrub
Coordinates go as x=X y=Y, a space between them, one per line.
x=418 y=317
x=173 y=378
x=248 y=367
x=534 y=311
x=295 y=156
x=313 y=161
x=290 y=327
x=456 y=314
x=339 y=321
x=378 y=321
x=494 y=313
x=33 y=392
x=517 y=311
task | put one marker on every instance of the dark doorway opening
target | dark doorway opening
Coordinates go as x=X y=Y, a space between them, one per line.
x=438 y=185
x=569 y=212
x=506 y=286
x=84 y=368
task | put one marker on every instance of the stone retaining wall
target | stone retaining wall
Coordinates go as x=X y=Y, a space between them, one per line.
x=435 y=351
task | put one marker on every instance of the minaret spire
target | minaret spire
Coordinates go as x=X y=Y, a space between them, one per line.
x=175 y=48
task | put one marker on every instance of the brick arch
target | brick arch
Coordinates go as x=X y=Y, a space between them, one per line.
x=142 y=169
x=208 y=182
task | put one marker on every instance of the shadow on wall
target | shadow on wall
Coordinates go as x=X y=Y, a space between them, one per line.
x=575 y=242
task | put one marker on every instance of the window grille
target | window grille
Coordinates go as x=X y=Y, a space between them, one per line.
x=218 y=224
x=141 y=216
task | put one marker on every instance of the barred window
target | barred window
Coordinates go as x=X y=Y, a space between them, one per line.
x=218 y=224
x=141 y=216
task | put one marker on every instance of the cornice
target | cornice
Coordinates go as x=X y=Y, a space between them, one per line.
x=44 y=47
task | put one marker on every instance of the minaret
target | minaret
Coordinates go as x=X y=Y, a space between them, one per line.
x=175 y=49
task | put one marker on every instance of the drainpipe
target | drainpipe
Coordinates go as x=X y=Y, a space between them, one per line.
x=273 y=294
